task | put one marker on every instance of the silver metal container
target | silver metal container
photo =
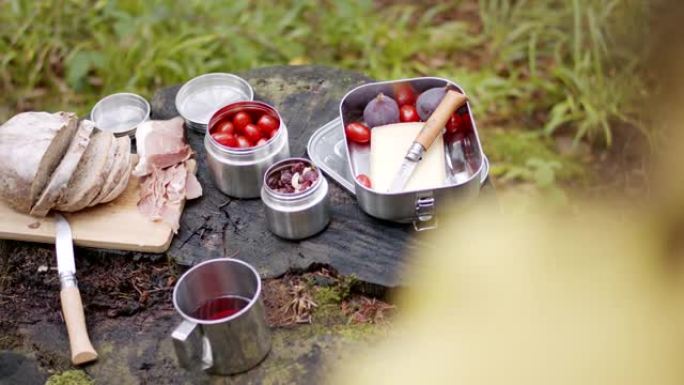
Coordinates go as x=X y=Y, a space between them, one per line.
x=297 y=215
x=215 y=338
x=199 y=98
x=465 y=162
x=120 y=113
x=239 y=172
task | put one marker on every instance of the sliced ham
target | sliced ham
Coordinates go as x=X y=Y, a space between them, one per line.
x=165 y=168
x=160 y=144
x=193 y=188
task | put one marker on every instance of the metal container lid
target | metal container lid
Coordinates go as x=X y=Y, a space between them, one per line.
x=200 y=97
x=120 y=113
x=326 y=148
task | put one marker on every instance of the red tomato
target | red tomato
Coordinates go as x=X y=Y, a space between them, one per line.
x=273 y=133
x=404 y=94
x=454 y=123
x=261 y=142
x=358 y=132
x=408 y=113
x=225 y=126
x=252 y=133
x=364 y=180
x=467 y=123
x=267 y=123
x=243 y=142
x=241 y=119
x=225 y=139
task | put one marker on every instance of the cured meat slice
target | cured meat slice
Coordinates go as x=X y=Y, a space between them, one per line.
x=165 y=169
x=160 y=144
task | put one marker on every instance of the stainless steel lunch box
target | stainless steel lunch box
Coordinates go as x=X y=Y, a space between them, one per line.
x=298 y=215
x=200 y=97
x=419 y=207
x=239 y=172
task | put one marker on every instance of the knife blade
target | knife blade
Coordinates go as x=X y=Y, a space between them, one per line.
x=82 y=350
x=64 y=247
x=451 y=101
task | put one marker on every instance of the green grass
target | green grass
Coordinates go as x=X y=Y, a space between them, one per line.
x=529 y=156
x=546 y=65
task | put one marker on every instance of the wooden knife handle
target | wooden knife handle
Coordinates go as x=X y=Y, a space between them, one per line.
x=82 y=350
x=452 y=100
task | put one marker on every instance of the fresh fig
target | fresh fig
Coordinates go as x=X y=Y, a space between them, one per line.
x=380 y=111
x=428 y=101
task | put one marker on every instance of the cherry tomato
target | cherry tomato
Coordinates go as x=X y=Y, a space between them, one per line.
x=454 y=123
x=267 y=123
x=243 y=142
x=273 y=133
x=408 y=113
x=225 y=139
x=241 y=119
x=364 y=180
x=225 y=126
x=252 y=133
x=467 y=123
x=261 y=142
x=358 y=132
x=404 y=94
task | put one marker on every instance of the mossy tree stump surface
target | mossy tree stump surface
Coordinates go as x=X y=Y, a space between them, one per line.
x=216 y=225
x=136 y=348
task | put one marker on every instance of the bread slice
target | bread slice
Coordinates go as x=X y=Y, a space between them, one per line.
x=60 y=178
x=120 y=159
x=108 y=167
x=123 y=182
x=89 y=176
x=32 y=144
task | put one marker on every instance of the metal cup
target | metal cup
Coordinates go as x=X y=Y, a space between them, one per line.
x=228 y=345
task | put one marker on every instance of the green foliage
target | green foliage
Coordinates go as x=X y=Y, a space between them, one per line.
x=583 y=61
x=70 y=377
x=530 y=157
x=557 y=63
x=88 y=49
x=324 y=296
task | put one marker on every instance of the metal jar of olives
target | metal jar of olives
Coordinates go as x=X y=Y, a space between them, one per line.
x=295 y=197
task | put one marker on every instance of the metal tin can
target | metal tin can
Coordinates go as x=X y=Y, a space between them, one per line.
x=465 y=161
x=239 y=172
x=296 y=215
x=120 y=113
x=200 y=97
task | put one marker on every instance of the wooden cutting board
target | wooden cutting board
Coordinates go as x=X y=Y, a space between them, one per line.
x=114 y=225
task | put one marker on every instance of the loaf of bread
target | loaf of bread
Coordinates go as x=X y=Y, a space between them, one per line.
x=32 y=144
x=52 y=162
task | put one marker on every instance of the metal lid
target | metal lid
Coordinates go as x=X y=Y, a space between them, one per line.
x=326 y=148
x=120 y=113
x=200 y=97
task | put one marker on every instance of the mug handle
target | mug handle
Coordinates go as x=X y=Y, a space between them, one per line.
x=191 y=346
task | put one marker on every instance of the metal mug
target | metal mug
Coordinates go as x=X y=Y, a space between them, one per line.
x=227 y=345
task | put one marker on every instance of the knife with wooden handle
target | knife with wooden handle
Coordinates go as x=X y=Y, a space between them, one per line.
x=82 y=350
x=451 y=101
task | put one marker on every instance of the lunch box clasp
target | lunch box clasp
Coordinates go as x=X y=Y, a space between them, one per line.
x=425 y=213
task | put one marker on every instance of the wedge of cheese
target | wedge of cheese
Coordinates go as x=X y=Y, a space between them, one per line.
x=389 y=145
